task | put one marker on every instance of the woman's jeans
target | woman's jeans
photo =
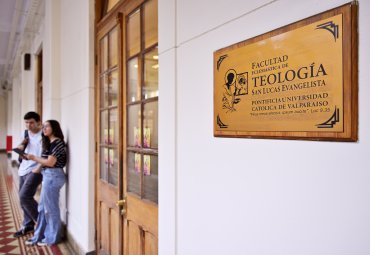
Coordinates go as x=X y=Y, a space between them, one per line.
x=49 y=225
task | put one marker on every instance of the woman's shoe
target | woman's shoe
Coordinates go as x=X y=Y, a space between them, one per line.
x=29 y=242
x=41 y=244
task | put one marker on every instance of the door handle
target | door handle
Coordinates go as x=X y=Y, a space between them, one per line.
x=123 y=212
x=121 y=202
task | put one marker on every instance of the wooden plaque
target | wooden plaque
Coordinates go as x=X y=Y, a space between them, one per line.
x=296 y=82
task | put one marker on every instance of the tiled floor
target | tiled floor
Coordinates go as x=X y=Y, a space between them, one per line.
x=10 y=219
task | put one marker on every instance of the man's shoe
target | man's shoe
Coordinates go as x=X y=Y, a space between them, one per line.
x=23 y=231
x=29 y=242
x=41 y=244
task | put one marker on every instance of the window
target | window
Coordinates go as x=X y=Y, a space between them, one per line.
x=108 y=105
x=142 y=101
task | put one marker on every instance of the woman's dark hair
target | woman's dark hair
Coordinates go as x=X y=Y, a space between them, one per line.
x=56 y=131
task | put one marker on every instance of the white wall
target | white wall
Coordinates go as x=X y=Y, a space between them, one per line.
x=16 y=115
x=21 y=99
x=28 y=87
x=51 y=61
x=3 y=120
x=251 y=196
x=77 y=115
x=9 y=108
x=167 y=183
x=66 y=36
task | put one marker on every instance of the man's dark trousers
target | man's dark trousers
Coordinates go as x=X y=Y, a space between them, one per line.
x=27 y=189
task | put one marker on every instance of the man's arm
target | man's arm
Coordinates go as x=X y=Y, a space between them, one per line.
x=23 y=144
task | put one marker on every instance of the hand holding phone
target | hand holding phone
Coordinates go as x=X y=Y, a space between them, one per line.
x=20 y=152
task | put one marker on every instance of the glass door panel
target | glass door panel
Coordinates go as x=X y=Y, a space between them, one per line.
x=103 y=91
x=113 y=88
x=113 y=167
x=150 y=136
x=134 y=126
x=134 y=172
x=150 y=170
x=113 y=48
x=103 y=54
x=113 y=127
x=151 y=66
x=150 y=23
x=104 y=135
x=133 y=33
x=104 y=164
x=133 y=80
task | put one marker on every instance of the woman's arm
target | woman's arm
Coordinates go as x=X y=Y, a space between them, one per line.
x=50 y=161
x=37 y=170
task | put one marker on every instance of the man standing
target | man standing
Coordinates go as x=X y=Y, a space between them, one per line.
x=29 y=178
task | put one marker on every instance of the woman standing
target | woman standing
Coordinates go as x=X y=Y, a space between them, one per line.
x=51 y=163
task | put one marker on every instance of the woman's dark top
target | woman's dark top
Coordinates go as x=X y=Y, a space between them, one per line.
x=57 y=149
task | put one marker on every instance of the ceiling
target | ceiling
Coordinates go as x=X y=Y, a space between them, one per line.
x=18 y=19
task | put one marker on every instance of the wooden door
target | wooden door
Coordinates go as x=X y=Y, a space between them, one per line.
x=127 y=124
x=109 y=144
x=141 y=124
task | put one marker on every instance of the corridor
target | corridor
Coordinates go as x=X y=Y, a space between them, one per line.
x=11 y=217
